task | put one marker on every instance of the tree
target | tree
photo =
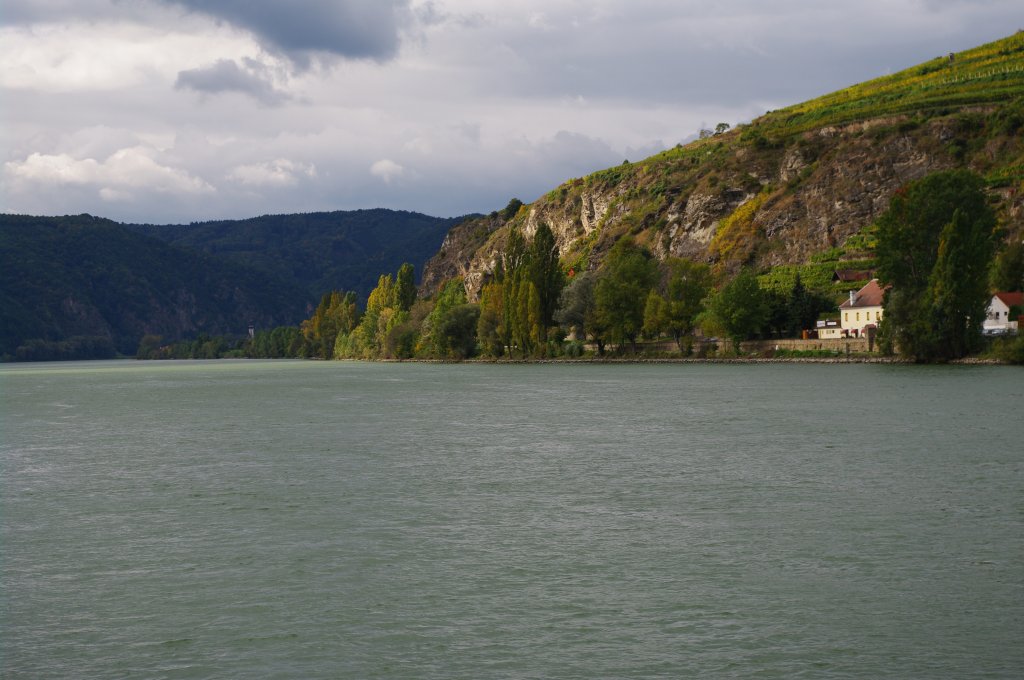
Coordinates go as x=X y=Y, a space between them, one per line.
x=738 y=308
x=655 y=315
x=1008 y=269
x=958 y=287
x=621 y=293
x=545 y=272
x=935 y=243
x=576 y=304
x=687 y=287
x=405 y=287
x=457 y=332
x=491 y=333
x=438 y=335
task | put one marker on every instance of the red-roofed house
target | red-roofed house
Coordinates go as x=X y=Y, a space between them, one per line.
x=862 y=311
x=999 y=318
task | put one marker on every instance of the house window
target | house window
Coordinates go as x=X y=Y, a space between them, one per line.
x=878 y=316
x=858 y=316
x=846 y=316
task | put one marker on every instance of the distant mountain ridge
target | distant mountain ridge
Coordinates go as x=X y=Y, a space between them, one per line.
x=320 y=251
x=98 y=286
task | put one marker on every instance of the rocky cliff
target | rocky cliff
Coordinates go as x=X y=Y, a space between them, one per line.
x=789 y=185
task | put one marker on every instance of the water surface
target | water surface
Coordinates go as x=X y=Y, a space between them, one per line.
x=324 y=520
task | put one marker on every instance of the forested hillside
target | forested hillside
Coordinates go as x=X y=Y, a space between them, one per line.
x=319 y=251
x=83 y=287
x=86 y=287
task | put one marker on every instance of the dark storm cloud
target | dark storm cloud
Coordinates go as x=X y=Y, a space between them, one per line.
x=300 y=29
x=227 y=76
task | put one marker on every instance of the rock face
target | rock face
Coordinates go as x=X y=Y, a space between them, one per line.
x=782 y=200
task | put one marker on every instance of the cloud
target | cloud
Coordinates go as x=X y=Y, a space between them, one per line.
x=227 y=76
x=387 y=170
x=116 y=177
x=304 y=29
x=278 y=173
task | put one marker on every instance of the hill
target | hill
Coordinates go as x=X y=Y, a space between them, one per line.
x=798 y=186
x=321 y=251
x=83 y=287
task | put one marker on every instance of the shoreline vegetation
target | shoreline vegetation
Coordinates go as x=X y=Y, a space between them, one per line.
x=609 y=268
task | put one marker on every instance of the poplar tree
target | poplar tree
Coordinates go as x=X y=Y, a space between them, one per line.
x=935 y=244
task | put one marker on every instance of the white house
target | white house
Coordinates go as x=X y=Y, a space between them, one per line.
x=998 y=319
x=863 y=311
x=829 y=329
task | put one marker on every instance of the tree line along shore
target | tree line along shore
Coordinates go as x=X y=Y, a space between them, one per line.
x=938 y=251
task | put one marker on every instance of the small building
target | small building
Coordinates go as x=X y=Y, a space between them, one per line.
x=1000 y=317
x=829 y=329
x=863 y=311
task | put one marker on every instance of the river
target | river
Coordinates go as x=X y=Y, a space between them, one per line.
x=289 y=519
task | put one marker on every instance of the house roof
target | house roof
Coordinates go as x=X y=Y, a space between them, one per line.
x=1010 y=299
x=868 y=296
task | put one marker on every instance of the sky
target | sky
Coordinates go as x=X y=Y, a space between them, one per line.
x=171 y=111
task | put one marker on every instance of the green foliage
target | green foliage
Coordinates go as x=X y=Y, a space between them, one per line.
x=67 y=278
x=958 y=286
x=738 y=309
x=491 y=330
x=545 y=272
x=621 y=292
x=405 y=287
x=686 y=286
x=511 y=210
x=75 y=348
x=336 y=314
x=576 y=305
x=437 y=337
x=737 y=234
x=455 y=332
x=990 y=73
x=1008 y=269
x=341 y=250
x=935 y=244
x=1010 y=349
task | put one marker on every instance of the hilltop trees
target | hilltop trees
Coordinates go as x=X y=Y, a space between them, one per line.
x=935 y=244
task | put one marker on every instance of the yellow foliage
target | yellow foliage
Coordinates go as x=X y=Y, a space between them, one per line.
x=736 y=234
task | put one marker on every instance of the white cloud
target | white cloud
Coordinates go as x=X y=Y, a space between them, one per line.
x=277 y=173
x=157 y=112
x=387 y=170
x=116 y=176
x=112 y=55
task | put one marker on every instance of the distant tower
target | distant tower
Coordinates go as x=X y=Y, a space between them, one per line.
x=252 y=331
